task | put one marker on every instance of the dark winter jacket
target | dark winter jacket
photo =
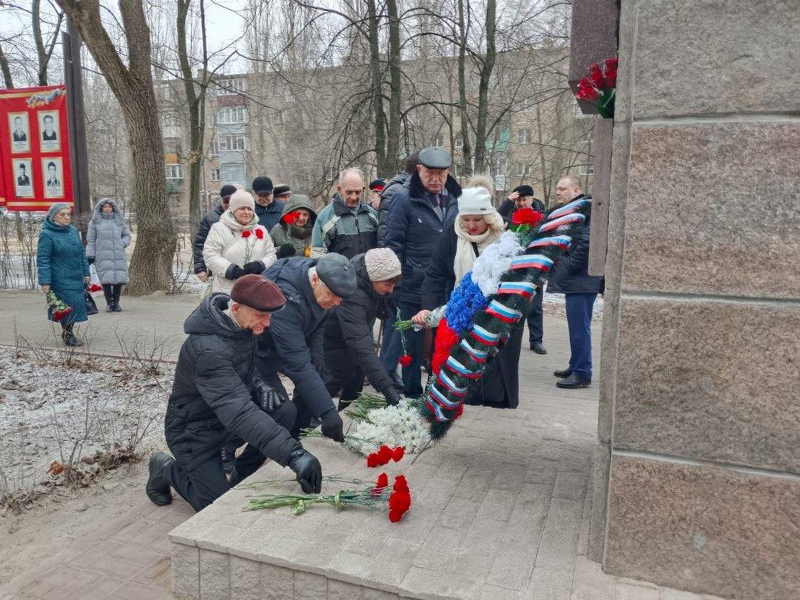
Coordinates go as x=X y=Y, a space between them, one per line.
x=508 y=208
x=292 y=344
x=413 y=230
x=284 y=233
x=61 y=264
x=211 y=393
x=571 y=274
x=268 y=216
x=106 y=240
x=394 y=186
x=344 y=230
x=440 y=277
x=211 y=217
x=348 y=331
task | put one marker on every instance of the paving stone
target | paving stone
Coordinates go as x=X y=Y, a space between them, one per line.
x=636 y=592
x=438 y=549
x=512 y=567
x=156 y=573
x=427 y=583
x=339 y=590
x=371 y=594
x=590 y=583
x=61 y=583
x=245 y=579
x=277 y=583
x=560 y=538
x=548 y=584
x=215 y=575
x=185 y=570
x=391 y=564
x=309 y=586
x=570 y=485
x=136 y=591
x=670 y=594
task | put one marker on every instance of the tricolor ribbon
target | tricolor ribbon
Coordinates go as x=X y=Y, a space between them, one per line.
x=568 y=209
x=441 y=399
x=477 y=355
x=502 y=312
x=457 y=367
x=520 y=288
x=448 y=383
x=561 y=222
x=484 y=336
x=436 y=411
x=562 y=241
x=531 y=261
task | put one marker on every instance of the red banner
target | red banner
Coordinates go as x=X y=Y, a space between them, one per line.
x=35 y=165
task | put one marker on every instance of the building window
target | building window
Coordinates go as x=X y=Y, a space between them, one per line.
x=213 y=149
x=586 y=169
x=231 y=87
x=501 y=166
x=232 y=142
x=459 y=142
x=524 y=137
x=214 y=174
x=438 y=141
x=231 y=115
x=174 y=172
x=522 y=169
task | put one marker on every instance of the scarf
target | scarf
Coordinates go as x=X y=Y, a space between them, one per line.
x=465 y=252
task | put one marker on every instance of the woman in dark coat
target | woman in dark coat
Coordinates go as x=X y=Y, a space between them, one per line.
x=477 y=226
x=106 y=240
x=62 y=268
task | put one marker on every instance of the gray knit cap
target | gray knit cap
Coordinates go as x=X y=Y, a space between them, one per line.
x=382 y=264
x=55 y=209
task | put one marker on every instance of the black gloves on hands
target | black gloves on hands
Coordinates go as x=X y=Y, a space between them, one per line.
x=308 y=470
x=266 y=397
x=286 y=251
x=332 y=426
x=392 y=397
x=256 y=267
x=233 y=272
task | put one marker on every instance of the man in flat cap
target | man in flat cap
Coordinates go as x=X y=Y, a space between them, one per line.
x=417 y=217
x=218 y=394
x=293 y=343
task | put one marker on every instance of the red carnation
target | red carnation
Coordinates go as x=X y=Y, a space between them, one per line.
x=446 y=338
x=398 y=453
x=246 y=233
x=95 y=287
x=526 y=216
x=596 y=75
x=260 y=234
x=290 y=218
x=399 y=502
x=383 y=480
x=611 y=72
x=372 y=460
x=400 y=484
x=405 y=360
x=385 y=454
x=587 y=91
x=395 y=516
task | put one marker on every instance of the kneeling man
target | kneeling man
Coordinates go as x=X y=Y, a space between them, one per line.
x=218 y=394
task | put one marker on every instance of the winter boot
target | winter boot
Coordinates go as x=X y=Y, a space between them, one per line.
x=69 y=337
x=117 y=289
x=157 y=488
x=109 y=296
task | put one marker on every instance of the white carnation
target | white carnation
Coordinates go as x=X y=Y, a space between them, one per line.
x=494 y=261
x=400 y=425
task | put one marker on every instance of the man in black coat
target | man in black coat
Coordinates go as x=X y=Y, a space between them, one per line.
x=580 y=290
x=293 y=343
x=522 y=197
x=417 y=218
x=217 y=393
x=211 y=217
x=268 y=210
x=349 y=342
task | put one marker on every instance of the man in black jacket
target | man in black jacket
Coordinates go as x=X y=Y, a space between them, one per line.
x=522 y=197
x=268 y=210
x=211 y=217
x=217 y=393
x=580 y=290
x=349 y=343
x=417 y=217
x=293 y=343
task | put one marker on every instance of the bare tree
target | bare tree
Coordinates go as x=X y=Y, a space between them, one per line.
x=132 y=85
x=44 y=49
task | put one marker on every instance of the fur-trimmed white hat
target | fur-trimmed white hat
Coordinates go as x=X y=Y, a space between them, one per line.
x=475 y=201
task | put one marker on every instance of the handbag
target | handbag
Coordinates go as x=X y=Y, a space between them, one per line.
x=91 y=306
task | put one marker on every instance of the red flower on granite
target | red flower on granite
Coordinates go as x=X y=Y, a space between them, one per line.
x=596 y=75
x=599 y=88
x=398 y=453
x=405 y=360
x=385 y=455
x=587 y=91
x=400 y=500
x=611 y=72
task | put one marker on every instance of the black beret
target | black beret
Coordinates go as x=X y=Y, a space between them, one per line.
x=262 y=185
x=258 y=292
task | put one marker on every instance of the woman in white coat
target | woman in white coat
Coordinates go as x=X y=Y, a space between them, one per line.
x=236 y=244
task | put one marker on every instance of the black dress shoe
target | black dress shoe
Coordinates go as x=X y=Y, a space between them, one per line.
x=538 y=348
x=565 y=373
x=574 y=381
x=110 y=307
x=157 y=488
x=116 y=307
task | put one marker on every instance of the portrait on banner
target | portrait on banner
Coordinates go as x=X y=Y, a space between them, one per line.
x=23 y=176
x=52 y=173
x=49 y=131
x=19 y=132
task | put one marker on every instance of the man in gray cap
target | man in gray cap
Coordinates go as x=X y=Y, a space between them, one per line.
x=293 y=343
x=417 y=217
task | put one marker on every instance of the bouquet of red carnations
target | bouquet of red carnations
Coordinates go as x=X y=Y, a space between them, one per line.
x=600 y=87
x=59 y=309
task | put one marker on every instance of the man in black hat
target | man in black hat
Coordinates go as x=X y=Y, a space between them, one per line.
x=211 y=217
x=268 y=210
x=293 y=343
x=218 y=394
x=417 y=217
x=522 y=197
x=282 y=193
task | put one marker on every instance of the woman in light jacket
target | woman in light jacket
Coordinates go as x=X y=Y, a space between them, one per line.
x=236 y=244
x=106 y=240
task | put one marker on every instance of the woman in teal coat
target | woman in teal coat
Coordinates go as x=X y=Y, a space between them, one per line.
x=62 y=267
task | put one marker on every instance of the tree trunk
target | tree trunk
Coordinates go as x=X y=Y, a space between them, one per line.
x=43 y=50
x=483 y=85
x=376 y=84
x=8 y=80
x=151 y=265
x=462 y=89
x=395 y=74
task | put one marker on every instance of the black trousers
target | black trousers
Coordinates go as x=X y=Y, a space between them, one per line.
x=344 y=376
x=112 y=291
x=201 y=484
x=536 y=318
x=303 y=414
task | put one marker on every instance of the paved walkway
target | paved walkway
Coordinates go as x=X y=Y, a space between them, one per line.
x=130 y=557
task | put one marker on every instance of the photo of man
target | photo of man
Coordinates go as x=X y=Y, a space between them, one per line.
x=51 y=172
x=18 y=124
x=22 y=178
x=49 y=131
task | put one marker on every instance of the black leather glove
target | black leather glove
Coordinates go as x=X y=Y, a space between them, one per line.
x=392 y=397
x=286 y=251
x=233 y=272
x=308 y=470
x=266 y=397
x=90 y=260
x=255 y=267
x=332 y=426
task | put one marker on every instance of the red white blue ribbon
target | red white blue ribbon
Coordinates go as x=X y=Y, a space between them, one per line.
x=446 y=382
x=441 y=399
x=531 y=261
x=502 y=312
x=520 y=288
x=568 y=209
x=562 y=222
x=484 y=336
x=562 y=241
x=477 y=355
x=436 y=411
x=457 y=367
